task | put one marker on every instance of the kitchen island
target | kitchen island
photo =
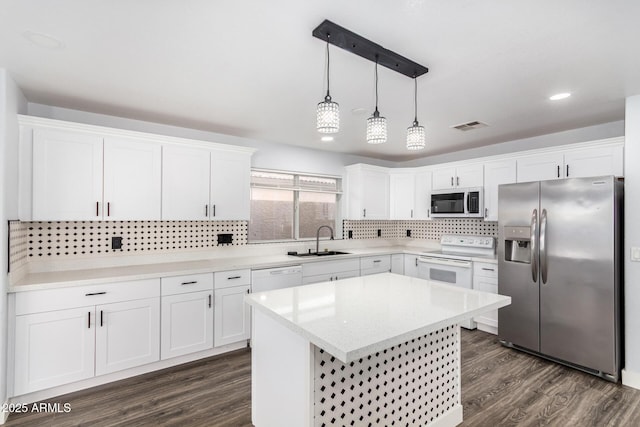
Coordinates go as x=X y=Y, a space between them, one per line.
x=381 y=350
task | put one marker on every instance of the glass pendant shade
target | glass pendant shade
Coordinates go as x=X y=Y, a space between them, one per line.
x=416 y=137
x=376 y=129
x=328 y=116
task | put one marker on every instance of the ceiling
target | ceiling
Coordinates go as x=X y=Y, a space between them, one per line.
x=251 y=68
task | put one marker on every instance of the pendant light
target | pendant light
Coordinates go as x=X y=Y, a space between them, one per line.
x=376 y=124
x=415 y=133
x=328 y=112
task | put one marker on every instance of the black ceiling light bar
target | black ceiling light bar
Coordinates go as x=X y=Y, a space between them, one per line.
x=367 y=49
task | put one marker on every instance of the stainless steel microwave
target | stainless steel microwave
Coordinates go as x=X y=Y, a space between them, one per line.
x=458 y=203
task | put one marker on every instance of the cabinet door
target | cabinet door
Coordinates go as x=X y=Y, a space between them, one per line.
x=187 y=323
x=444 y=178
x=495 y=174
x=411 y=265
x=422 y=197
x=375 y=196
x=67 y=176
x=132 y=179
x=397 y=263
x=127 y=334
x=490 y=318
x=402 y=192
x=232 y=316
x=230 y=186
x=185 y=183
x=53 y=348
x=540 y=167
x=593 y=162
x=469 y=176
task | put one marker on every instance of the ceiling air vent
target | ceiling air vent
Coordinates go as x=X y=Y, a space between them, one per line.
x=470 y=126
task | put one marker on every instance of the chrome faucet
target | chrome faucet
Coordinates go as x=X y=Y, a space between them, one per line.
x=318 y=236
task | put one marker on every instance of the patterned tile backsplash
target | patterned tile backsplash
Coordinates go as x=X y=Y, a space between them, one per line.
x=85 y=239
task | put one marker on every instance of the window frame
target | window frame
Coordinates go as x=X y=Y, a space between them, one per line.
x=296 y=189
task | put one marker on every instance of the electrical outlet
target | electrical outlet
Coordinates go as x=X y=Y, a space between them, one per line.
x=379 y=232
x=408 y=233
x=351 y=234
x=635 y=254
x=116 y=242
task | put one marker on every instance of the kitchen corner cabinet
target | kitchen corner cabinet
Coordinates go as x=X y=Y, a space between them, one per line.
x=397 y=263
x=402 y=195
x=187 y=314
x=82 y=176
x=217 y=183
x=485 y=279
x=70 y=334
x=458 y=177
x=367 y=189
x=495 y=174
x=232 y=321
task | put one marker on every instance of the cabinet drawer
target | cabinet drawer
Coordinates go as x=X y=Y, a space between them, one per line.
x=485 y=269
x=82 y=296
x=228 y=279
x=376 y=263
x=187 y=283
x=324 y=267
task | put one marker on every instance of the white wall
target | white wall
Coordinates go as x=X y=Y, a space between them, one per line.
x=590 y=133
x=631 y=373
x=11 y=102
x=269 y=155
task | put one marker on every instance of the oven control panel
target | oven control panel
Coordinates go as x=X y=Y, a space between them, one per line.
x=468 y=241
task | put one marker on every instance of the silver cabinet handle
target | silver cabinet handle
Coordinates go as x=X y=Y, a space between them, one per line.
x=411 y=213
x=214 y=210
x=458 y=181
x=416 y=261
x=486 y=212
x=193 y=282
x=101 y=318
x=89 y=320
x=108 y=208
x=543 y=246
x=534 y=245
x=233 y=277
x=206 y=211
x=567 y=171
x=209 y=300
x=377 y=260
x=364 y=213
x=94 y=293
x=488 y=269
x=558 y=171
x=97 y=208
x=452 y=181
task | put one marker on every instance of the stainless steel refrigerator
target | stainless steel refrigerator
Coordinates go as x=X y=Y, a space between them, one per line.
x=559 y=259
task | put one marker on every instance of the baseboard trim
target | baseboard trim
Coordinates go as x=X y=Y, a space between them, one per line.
x=631 y=378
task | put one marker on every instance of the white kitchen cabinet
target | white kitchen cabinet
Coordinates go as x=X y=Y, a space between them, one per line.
x=496 y=173
x=325 y=271
x=599 y=161
x=375 y=264
x=422 y=195
x=230 y=186
x=132 y=180
x=185 y=183
x=540 y=167
x=53 y=348
x=458 y=177
x=74 y=333
x=127 y=334
x=367 y=191
x=397 y=263
x=67 y=176
x=232 y=316
x=411 y=265
x=330 y=277
x=187 y=323
x=485 y=279
x=402 y=195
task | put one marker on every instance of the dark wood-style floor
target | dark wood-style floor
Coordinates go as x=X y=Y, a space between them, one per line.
x=500 y=387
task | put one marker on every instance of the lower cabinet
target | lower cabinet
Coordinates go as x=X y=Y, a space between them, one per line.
x=485 y=278
x=232 y=316
x=328 y=271
x=411 y=265
x=60 y=337
x=187 y=323
x=397 y=263
x=375 y=265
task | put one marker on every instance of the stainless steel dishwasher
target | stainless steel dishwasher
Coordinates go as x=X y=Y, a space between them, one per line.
x=276 y=278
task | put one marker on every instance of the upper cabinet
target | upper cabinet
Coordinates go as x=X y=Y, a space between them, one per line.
x=402 y=194
x=496 y=173
x=74 y=172
x=367 y=189
x=81 y=176
x=458 y=177
x=422 y=195
x=573 y=163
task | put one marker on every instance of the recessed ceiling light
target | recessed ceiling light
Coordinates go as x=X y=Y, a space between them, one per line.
x=558 y=96
x=326 y=139
x=43 y=40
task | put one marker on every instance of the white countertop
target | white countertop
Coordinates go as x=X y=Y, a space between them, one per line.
x=356 y=317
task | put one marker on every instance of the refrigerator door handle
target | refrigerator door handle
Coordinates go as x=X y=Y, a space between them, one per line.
x=543 y=246
x=534 y=245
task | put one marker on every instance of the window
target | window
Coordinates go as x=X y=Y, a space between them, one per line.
x=289 y=206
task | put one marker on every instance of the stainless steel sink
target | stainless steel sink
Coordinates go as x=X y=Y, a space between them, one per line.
x=325 y=253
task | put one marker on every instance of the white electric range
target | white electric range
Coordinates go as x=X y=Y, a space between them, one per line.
x=453 y=264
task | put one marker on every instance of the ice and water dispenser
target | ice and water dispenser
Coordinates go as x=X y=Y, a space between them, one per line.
x=517 y=244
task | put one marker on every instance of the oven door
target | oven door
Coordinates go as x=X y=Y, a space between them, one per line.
x=449 y=271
